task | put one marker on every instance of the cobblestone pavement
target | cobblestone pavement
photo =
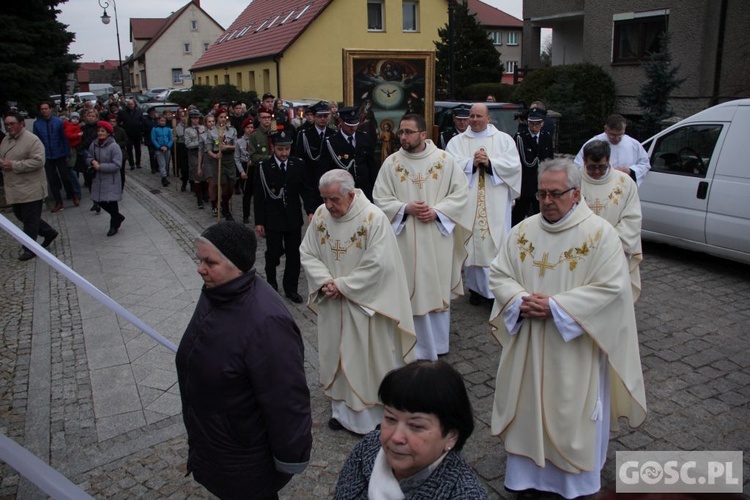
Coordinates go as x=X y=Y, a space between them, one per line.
x=695 y=351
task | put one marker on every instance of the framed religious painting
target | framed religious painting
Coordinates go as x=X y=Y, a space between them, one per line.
x=387 y=84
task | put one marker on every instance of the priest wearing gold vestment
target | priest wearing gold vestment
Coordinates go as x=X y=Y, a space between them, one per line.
x=570 y=362
x=424 y=194
x=357 y=287
x=613 y=195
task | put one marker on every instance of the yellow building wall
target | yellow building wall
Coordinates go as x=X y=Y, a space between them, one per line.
x=313 y=66
x=259 y=76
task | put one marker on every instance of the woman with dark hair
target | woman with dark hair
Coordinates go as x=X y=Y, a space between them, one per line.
x=415 y=453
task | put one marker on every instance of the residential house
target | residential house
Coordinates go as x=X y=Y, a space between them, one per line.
x=506 y=33
x=165 y=49
x=98 y=72
x=294 y=48
x=710 y=40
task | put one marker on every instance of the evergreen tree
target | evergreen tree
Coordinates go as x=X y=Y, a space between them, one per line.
x=661 y=81
x=476 y=60
x=34 y=58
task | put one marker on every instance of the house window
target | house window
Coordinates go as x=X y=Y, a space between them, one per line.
x=496 y=37
x=193 y=25
x=510 y=66
x=186 y=48
x=411 y=15
x=176 y=79
x=375 y=15
x=636 y=36
x=205 y=46
x=512 y=38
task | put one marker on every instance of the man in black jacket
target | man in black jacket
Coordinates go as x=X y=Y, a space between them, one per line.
x=310 y=145
x=280 y=192
x=534 y=146
x=351 y=150
x=131 y=120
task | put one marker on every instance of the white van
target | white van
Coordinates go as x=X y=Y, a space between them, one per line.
x=80 y=97
x=696 y=194
x=101 y=89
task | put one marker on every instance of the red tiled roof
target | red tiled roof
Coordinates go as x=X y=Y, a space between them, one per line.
x=265 y=28
x=107 y=64
x=166 y=23
x=145 y=28
x=488 y=15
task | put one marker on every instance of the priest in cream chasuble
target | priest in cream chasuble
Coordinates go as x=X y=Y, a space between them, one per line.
x=570 y=362
x=491 y=163
x=424 y=195
x=613 y=195
x=357 y=288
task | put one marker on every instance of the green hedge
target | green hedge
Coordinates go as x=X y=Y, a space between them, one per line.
x=203 y=95
x=478 y=92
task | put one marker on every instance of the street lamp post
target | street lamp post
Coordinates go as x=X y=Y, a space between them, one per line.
x=104 y=4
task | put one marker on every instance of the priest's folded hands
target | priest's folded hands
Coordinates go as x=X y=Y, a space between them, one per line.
x=535 y=306
x=330 y=289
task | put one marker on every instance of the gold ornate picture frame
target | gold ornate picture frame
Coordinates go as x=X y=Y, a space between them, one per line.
x=386 y=84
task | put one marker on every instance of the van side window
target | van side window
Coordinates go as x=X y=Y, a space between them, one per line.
x=686 y=151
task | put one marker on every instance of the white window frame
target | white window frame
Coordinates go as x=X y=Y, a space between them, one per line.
x=510 y=66
x=193 y=25
x=496 y=37
x=371 y=25
x=176 y=80
x=413 y=6
x=186 y=47
x=206 y=45
x=513 y=38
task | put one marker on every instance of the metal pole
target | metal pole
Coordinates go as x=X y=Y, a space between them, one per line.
x=104 y=4
x=451 y=52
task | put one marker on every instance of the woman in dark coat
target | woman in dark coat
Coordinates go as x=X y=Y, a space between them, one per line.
x=105 y=160
x=240 y=367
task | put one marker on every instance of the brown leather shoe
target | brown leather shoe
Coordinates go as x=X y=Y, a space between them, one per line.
x=76 y=201
x=57 y=208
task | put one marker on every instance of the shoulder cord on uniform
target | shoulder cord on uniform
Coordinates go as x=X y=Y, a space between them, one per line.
x=522 y=150
x=282 y=192
x=351 y=167
x=306 y=144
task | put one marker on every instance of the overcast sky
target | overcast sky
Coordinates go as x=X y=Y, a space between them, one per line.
x=97 y=42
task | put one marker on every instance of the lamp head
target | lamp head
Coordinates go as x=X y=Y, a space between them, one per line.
x=105 y=17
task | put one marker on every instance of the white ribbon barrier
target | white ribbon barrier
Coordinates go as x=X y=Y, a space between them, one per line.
x=79 y=280
x=35 y=470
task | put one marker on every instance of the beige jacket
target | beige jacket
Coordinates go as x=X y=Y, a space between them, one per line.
x=27 y=181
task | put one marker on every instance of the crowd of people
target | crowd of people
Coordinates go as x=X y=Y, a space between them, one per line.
x=553 y=244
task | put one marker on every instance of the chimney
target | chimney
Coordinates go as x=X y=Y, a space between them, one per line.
x=197 y=3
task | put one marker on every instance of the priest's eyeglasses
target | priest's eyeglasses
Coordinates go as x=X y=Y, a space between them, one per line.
x=593 y=168
x=555 y=195
x=408 y=132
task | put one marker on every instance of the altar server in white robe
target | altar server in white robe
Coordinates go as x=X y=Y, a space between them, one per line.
x=424 y=194
x=490 y=160
x=570 y=362
x=357 y=287
x=613 y=195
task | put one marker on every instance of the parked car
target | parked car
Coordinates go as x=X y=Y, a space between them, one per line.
x=167 y=95
x=140 y=99
x=502 y=115
x=152 y=93
x=696 y=194
x=160 y=107
x=80 y=97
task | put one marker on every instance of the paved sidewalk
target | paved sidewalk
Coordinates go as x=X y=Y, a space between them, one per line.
x=98 y=400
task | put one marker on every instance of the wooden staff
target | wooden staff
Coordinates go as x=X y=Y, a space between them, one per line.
x=174 y=149
x=218 y=174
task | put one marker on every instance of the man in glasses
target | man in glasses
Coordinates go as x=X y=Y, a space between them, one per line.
x=424 y=194
x=352 y=150
x=565 y=319
x=613 y=195
x=490 y=160
x=22 y=161
x=627 y=154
